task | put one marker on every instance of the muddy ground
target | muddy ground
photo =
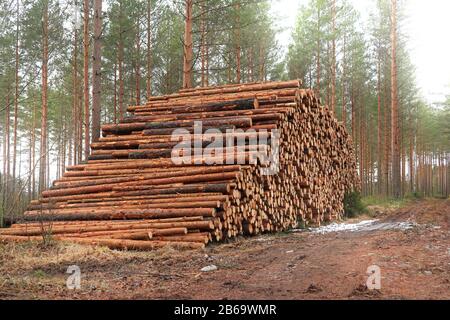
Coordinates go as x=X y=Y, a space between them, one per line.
x=414 y=263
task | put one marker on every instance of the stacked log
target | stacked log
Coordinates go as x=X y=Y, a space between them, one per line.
x=132 y=194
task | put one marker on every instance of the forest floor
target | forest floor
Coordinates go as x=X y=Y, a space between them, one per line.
x=411 y=245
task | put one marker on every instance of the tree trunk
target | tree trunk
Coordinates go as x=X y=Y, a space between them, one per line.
x=387 y=140
x=30 y=162
x=411 y=161
x=75 y=112
x=203 y=44
x=16 y=99
x=333 y=59
x=379 y=116
x=44 y=129
x=86 y=78
x=229 y=68
x=396 y=175
x=120 y=58
x=80 y=123
x=318 y=55
x=251 y=65
x=33 y=153
x=138 y=63
x=149 y=50
x=237 y=31
x=7 y=154
x=344 y=103
x=96 y=71
x=188 y=47
x=207 y=58
x=352 y=101
x=362 y=143
x=115 y=92
x=403 y=167
x=327 y=80
x=262 y=66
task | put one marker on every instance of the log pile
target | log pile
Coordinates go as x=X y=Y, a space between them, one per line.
x=131 y=194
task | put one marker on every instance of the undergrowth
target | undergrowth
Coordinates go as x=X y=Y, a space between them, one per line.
x=353 y=205
x=389 y=202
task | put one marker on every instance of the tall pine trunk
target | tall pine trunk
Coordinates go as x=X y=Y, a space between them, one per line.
x=96 y=71
x=120 y=58
x=115 y=92
x=333 y=59
x=344 y=103
x=86 y=77
x=379 y=129
x=396 y=174
x=203 y=44
x=6 y=154
x=318 y=55
x=44 y=129
x=75 y=111
x=33 y=153
x=188 y=56
x=411 y=159
x=387 y=141
x=149 y=49
x=237 y=34
x=262 y=62
x=16 y=97
x=138 y=63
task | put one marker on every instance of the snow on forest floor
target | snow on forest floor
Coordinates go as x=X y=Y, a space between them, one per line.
x=367 y=225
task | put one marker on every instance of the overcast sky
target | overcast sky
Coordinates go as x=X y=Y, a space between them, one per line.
x=427 y=26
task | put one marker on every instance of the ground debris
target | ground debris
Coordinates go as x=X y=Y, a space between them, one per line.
x=313 y=289
x=363 y=291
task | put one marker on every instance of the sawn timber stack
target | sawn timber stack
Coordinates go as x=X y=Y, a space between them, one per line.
x=131 y=195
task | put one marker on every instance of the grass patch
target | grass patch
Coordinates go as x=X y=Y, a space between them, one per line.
x=353 y=205
x=302 y=224
x=226 y=264
x=384 y=202
x=39 y=273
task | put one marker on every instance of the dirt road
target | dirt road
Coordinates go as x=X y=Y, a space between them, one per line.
x=414 y=262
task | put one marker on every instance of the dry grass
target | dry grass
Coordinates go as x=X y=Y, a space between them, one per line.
x=35 y=255
x=30 y=268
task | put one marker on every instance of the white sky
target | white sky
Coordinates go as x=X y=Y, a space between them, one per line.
x=427 y=25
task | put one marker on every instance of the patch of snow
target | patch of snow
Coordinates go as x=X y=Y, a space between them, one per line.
x=340 y=227
x=368 y=225
x=391 y=226
x=209 y=268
